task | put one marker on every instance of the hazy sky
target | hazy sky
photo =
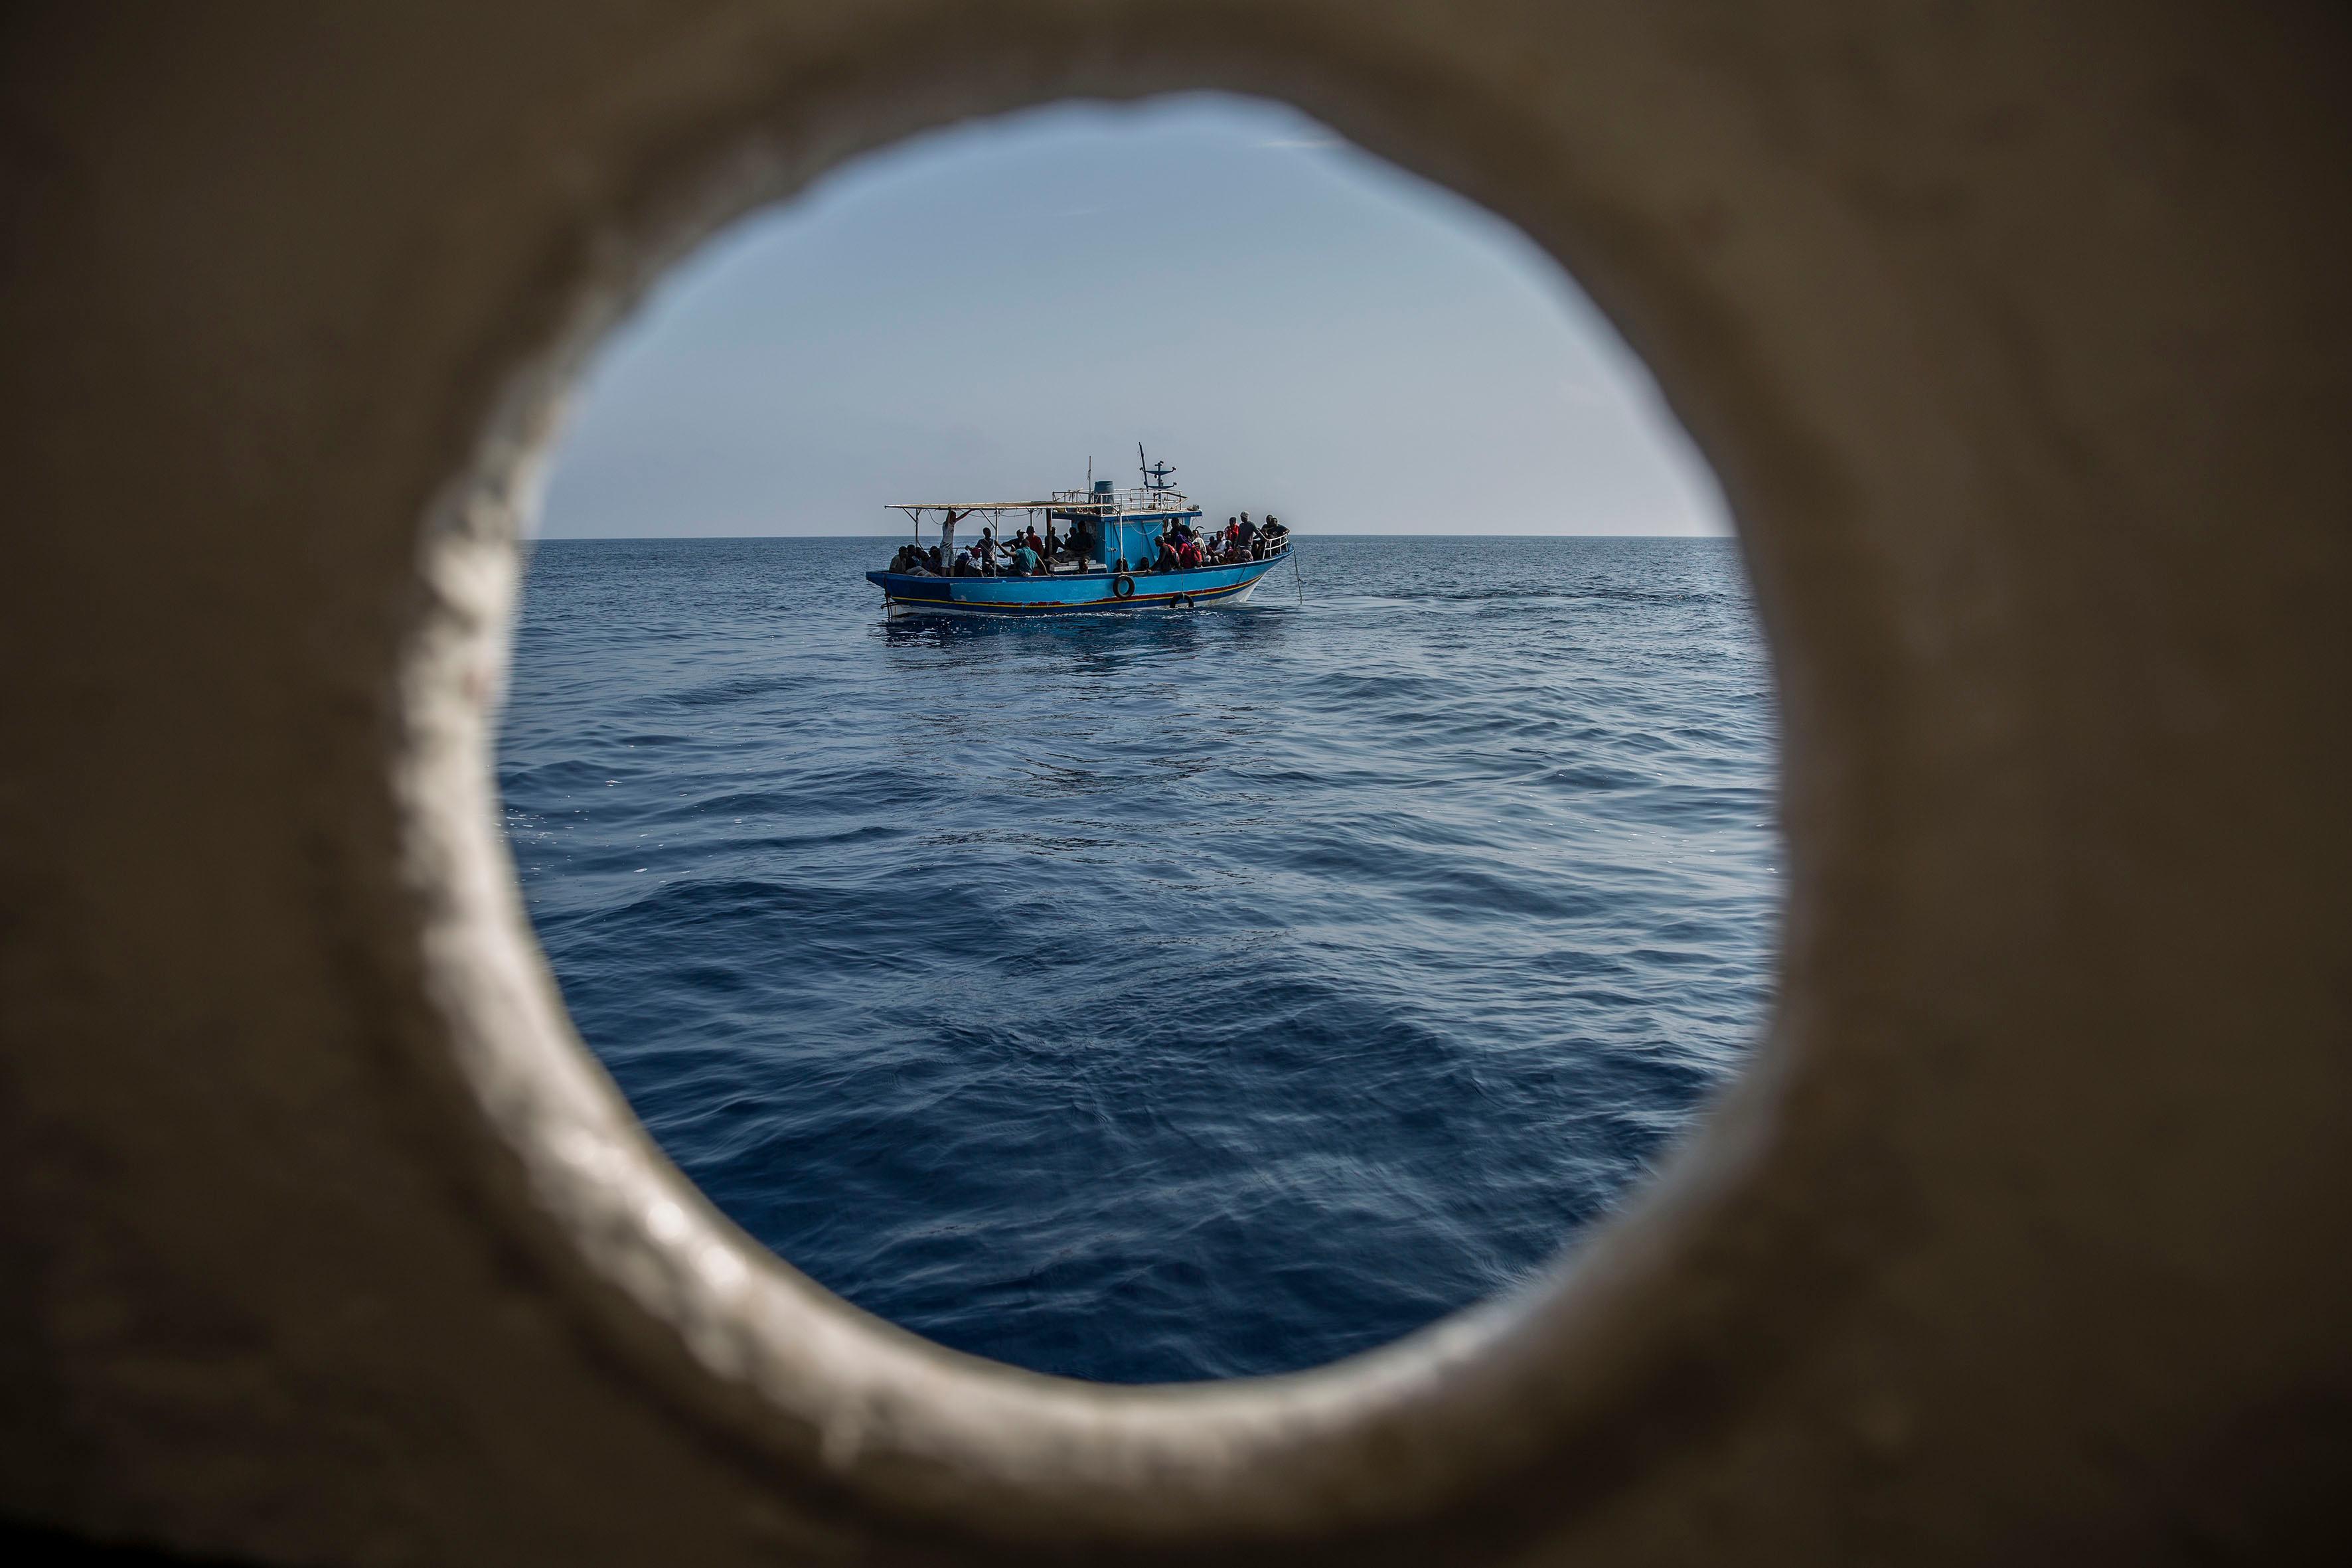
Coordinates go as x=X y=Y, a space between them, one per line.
x=1300 y=328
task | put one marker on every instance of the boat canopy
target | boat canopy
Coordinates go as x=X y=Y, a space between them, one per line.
x=916 y=507
x=1101 y=501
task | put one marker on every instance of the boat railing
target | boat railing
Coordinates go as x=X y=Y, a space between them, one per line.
x=1134 y=498
x=1275 y=549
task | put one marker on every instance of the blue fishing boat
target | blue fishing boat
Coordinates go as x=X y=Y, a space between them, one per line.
x=1101 y=554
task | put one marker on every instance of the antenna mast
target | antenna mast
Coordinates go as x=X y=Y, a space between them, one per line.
x=1155 y=474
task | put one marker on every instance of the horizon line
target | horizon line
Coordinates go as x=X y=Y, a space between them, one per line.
x=679 y=538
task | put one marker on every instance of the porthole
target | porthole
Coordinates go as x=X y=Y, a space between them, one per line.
x=1385 y=1436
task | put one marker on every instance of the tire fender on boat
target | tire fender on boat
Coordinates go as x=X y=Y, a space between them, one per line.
x=1124 y=588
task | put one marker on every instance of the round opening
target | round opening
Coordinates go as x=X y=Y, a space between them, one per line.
x=781 y=1360
x=1120 y=994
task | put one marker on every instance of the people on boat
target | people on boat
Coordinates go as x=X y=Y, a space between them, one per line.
x=1180 y=546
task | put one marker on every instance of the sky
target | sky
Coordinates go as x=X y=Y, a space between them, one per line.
x=1300 y=328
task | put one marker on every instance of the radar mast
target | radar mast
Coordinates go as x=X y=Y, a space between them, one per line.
x=1155 y=474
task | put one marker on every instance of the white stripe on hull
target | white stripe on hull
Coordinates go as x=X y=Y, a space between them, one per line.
x=897 y=607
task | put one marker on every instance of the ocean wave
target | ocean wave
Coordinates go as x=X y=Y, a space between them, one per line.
x=1156 y=998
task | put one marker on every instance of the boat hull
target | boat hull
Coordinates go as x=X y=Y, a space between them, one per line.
x=1070 y=593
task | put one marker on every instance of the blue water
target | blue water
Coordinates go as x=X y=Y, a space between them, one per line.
x=1149 y=999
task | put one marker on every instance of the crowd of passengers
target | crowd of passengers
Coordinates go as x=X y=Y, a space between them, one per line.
x=1027 y=553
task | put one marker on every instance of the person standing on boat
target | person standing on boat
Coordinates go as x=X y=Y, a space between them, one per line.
x=986 y=551
x=1248 y=538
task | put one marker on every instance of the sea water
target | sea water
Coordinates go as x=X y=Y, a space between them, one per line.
x=1158 y=996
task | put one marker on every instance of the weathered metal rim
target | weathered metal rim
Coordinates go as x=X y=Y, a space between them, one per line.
x=810 y=1387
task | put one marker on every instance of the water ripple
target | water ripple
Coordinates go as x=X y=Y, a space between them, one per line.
x=1155 y=998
